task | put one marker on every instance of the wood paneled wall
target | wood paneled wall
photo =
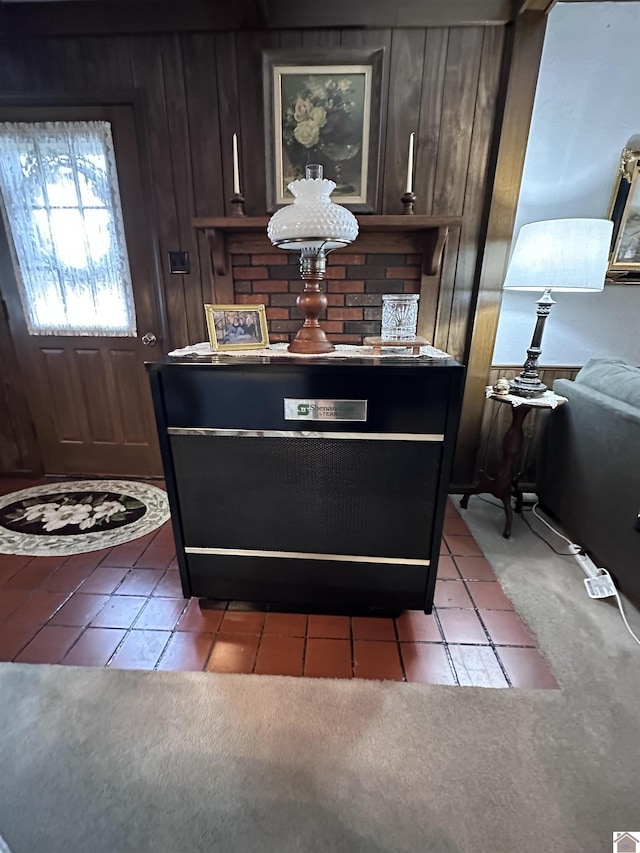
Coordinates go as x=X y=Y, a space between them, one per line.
x=194 y=90
x=197 y=89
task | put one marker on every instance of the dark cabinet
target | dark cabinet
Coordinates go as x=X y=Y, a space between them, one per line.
x=315 y=482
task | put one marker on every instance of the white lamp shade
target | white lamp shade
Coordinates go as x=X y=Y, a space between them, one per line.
x=561 y=254
x=313 y=220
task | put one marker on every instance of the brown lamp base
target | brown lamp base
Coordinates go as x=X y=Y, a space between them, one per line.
x=311 y=341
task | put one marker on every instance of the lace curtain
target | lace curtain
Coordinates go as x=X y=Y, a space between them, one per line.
x=61 y=206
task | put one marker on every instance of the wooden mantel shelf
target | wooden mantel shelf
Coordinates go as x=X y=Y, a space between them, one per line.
x=228 y=234
x=367 y=223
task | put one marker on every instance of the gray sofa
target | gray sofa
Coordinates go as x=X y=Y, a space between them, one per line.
x=589 y=466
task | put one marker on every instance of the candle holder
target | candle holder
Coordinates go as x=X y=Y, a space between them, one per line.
x=408 y=200
x=237 y=205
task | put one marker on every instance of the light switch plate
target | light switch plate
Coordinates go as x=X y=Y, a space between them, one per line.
x=179 y=263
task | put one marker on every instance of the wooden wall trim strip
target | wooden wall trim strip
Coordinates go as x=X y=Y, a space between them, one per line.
x=526 y=37
x=85 y=17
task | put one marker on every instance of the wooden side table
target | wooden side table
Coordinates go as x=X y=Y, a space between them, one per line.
x=503 y=486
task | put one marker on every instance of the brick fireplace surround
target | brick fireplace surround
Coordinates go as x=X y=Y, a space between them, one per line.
x=354 y=285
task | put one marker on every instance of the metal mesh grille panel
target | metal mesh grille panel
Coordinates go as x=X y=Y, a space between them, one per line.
x=356 y=497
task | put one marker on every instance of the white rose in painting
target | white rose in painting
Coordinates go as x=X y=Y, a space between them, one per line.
x=307 y=133
x=70 y=514
x=107 y=509
x=302 y=109
x=319 y=115
x=344 y=86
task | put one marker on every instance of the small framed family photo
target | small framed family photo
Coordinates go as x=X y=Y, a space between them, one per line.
x=236 y=327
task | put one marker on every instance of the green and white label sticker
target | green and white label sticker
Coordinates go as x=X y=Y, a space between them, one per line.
x=325 y=410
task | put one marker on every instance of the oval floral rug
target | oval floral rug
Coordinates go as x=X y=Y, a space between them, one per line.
x=77 y=516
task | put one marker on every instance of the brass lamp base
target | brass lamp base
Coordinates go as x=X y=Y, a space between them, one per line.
x=311 y=339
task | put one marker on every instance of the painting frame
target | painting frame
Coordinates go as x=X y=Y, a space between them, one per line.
x=624 y=211
x=346 y=126
x=218 y=332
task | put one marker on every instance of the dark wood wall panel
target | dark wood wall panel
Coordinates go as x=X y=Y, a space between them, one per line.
x=149 y=77
x=459 y=91
x=375 y=39
x=403 y=112
x=458 y=106
x=14 y=71
x=205 y=58
x=291 y=39
x=182 y=156
x=107 y=63
x=249 y=47
x=194 y=90
x=18 y=447
x=219 y=176
x=319 y=39
x=474 y=162
x=433 y=78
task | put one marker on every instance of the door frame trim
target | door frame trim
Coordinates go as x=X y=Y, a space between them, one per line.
x=13 y=105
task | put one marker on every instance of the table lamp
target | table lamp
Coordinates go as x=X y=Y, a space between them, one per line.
x=556 y=254
x=314 y=226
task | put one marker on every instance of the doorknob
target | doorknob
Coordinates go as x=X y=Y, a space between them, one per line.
x=149 y=339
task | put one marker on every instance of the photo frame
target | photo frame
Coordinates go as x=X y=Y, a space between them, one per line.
x=624 y=211
x=324 y=108
x=237 y=327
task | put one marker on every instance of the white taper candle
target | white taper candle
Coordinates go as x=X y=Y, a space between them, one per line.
x=410 y=165
x=236 y=168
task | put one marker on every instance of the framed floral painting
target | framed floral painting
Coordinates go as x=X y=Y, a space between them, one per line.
x=324 y=109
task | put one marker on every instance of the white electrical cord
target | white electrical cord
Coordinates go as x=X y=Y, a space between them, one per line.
x=624 y=618
x=576 y=549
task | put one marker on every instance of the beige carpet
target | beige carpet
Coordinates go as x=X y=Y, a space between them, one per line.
x=95 y=761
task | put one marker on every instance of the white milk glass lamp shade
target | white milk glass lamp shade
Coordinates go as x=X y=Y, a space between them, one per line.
x=561 y=254
x=313 y=221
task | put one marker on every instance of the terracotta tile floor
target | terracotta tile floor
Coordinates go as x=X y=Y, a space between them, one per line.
x=124 y=608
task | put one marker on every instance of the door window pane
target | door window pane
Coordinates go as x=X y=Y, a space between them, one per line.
x=62 y=212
